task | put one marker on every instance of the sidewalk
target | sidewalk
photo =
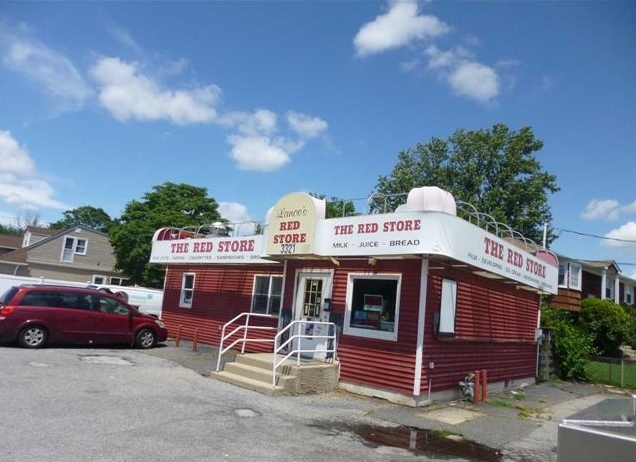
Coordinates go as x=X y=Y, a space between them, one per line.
x=521 y=424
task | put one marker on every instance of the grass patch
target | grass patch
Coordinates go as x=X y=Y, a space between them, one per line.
x=445 y=433
x=496 y=402
x=610 y=374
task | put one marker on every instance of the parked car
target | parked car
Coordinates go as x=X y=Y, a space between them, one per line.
x=36 y=315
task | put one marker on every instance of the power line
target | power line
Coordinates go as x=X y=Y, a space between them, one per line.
x=596 y=236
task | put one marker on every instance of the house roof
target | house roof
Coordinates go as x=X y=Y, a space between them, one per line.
x=9 y=241
x=601 y=263
x=15 y=256
x=40 y=230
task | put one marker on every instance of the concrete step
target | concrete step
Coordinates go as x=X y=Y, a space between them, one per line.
x=266 y=361
x=250 y=384
x=254 y=371
x=257 y=373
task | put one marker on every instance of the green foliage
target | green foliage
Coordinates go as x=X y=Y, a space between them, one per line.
x=607 y=322
x=572 y=346
x=11 y=230
x=336 y=207
x=494 y=170
x=168 y=205
x=631 y=334
x=91 y=217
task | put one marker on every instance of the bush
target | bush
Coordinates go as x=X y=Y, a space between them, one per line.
x=608 y=323
x=631 y=335
x=572 y=347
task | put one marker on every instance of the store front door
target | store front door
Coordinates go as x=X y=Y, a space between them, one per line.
x=313 y=301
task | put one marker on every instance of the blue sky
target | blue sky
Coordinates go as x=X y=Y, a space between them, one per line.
x=99 y=102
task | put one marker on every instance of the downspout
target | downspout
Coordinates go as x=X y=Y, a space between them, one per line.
x=419 y=349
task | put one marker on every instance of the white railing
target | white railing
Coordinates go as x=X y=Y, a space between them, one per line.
x=245 y=327
x=293 y=343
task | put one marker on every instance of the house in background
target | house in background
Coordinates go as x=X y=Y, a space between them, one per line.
x=76 y=254
x=579 y=279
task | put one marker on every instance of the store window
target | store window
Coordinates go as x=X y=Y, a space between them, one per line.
x=373 y=303
x=266 y=294
x=187 y=290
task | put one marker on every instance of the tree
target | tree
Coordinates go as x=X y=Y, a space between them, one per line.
x=168 y=205
x=607 y=322
x=27 y=218
x=494 y=170
x=336 y=207
x=91 y=217
x=11 y=230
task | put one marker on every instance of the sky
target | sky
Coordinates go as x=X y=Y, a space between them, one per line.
x=102 y=101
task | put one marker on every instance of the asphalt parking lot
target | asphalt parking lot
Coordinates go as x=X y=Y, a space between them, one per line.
x=519 y=425
x=87 y=404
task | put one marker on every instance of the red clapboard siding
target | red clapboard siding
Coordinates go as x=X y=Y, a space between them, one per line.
x=494 y=330
x=221 y=293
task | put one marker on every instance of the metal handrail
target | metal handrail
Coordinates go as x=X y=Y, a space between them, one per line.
x=244 y=327
x=297 y=351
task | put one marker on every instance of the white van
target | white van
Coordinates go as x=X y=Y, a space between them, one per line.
x=148 y=301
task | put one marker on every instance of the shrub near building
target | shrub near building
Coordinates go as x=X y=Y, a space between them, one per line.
x=608 y=323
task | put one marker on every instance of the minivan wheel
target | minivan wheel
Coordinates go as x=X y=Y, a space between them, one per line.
x=145 y=339
x=32 y=337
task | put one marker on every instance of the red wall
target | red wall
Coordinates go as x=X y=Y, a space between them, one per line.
x=495 y=322
x=220 y=293
x=495 y=331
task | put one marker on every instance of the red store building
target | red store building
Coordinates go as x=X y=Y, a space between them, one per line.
x=420 y=296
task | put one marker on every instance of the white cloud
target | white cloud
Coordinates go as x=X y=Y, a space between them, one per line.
x=261 y=121
x=475 y=81
x=14 y=159
x=259 y=144
x=402 y=25
x=128 y=94
x=52 y=71
x=465 y=76
x=306 y=126
x=629 y=208
x=126 y=39
x=599 y=209
x=398 y=27
x=257 y=153
x=625 y=236
x=18 y=184
x=237 y=214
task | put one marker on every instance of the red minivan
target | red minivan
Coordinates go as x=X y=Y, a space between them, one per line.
x=35 y=315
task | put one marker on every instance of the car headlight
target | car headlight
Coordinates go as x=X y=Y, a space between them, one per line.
x=160 y=323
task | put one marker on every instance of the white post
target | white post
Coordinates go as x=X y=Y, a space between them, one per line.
x=545 y=235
